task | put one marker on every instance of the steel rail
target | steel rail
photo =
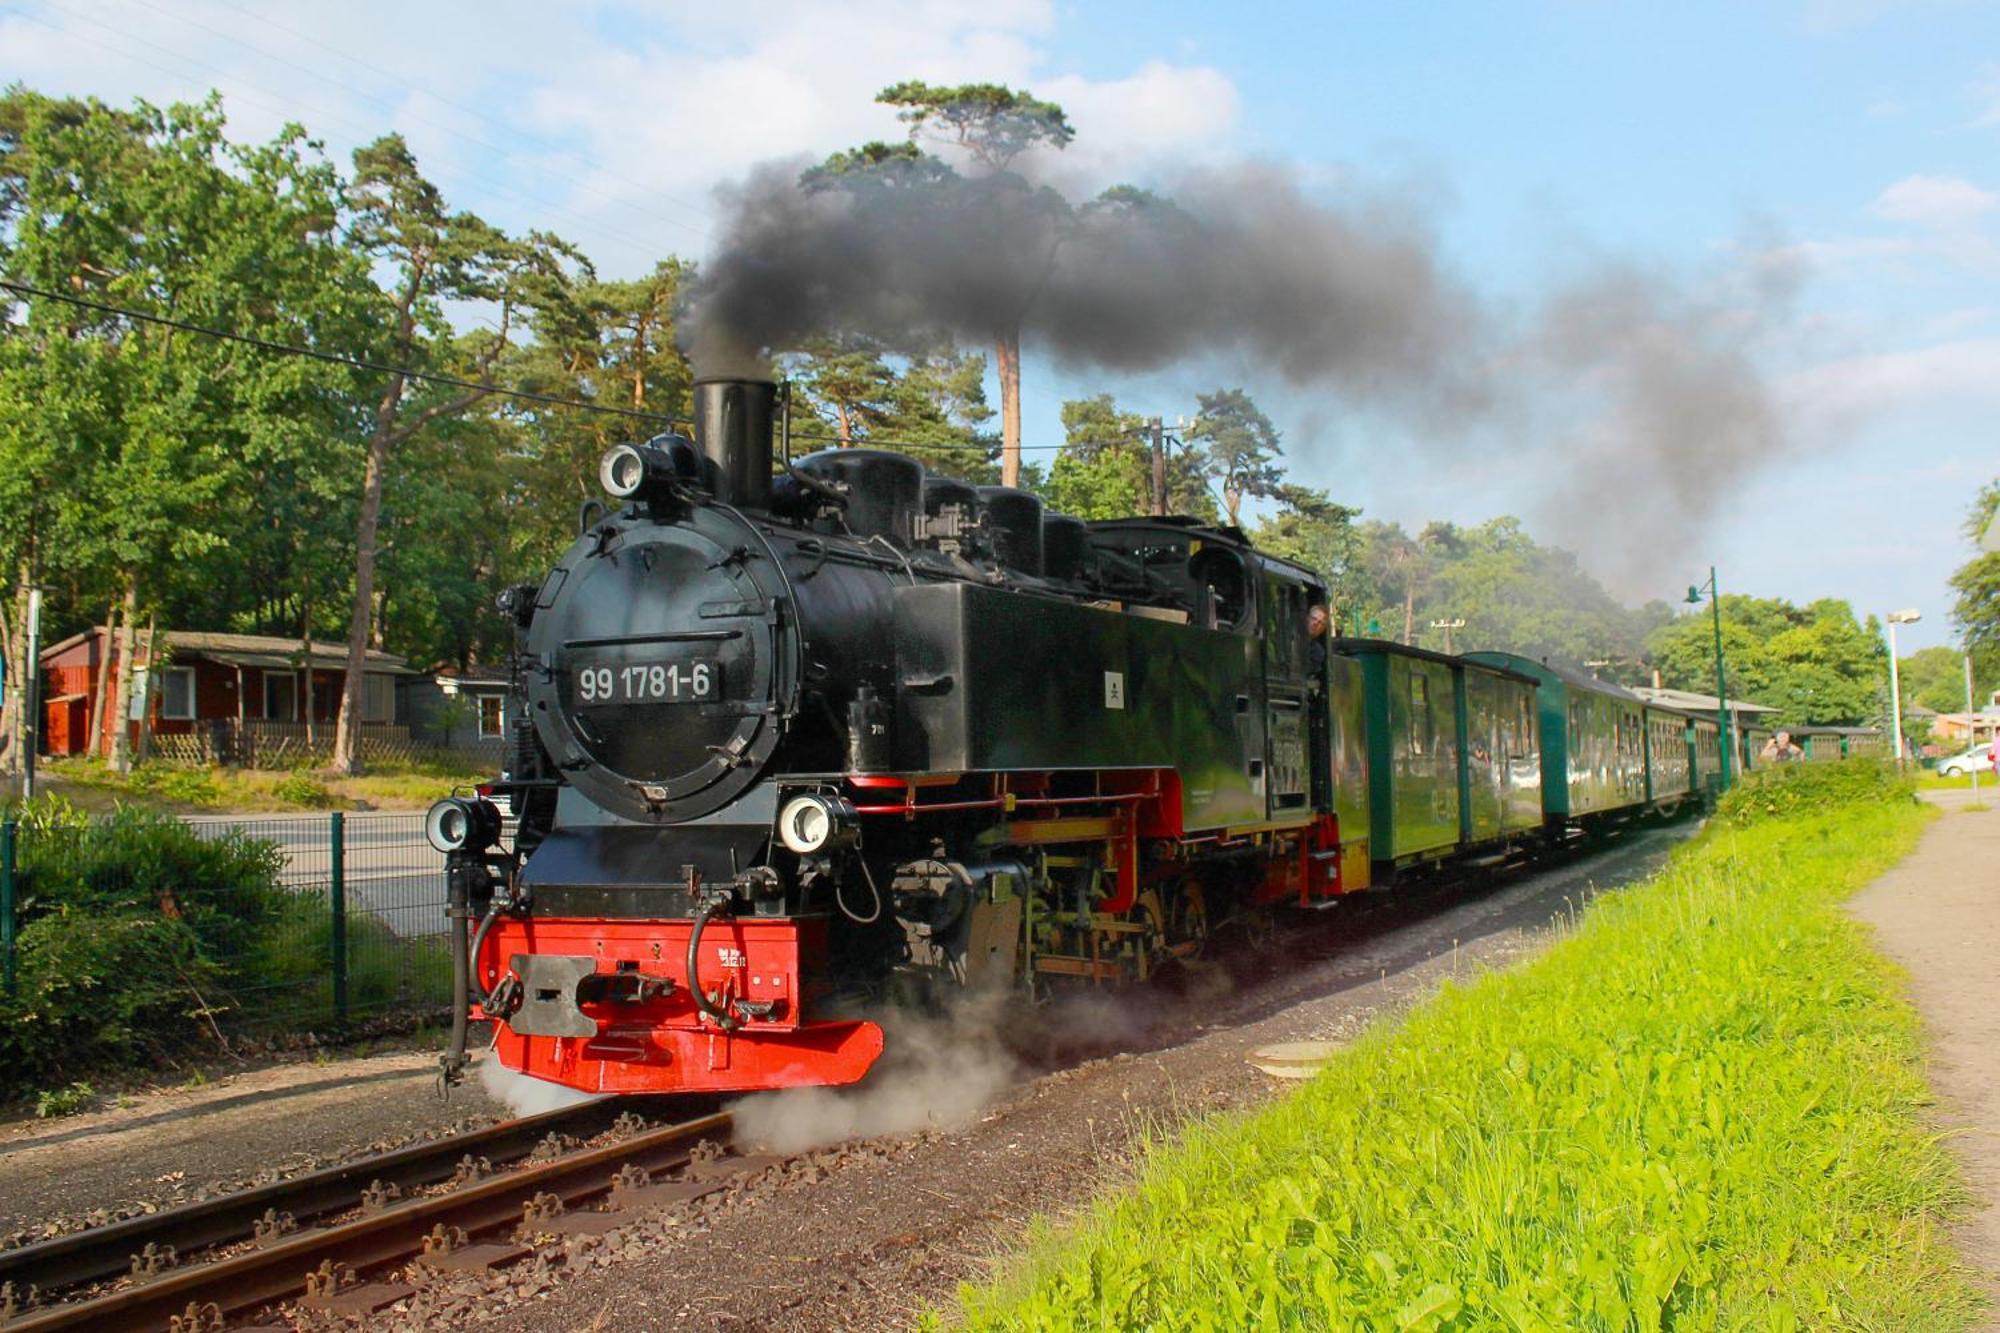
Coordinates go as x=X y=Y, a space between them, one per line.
x=99 y=1253
x=254 y=1279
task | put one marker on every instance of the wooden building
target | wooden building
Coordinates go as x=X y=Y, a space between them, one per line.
x=228 y=695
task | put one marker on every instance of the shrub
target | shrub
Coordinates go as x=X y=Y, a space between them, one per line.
x=302 y=789
x=1803 y=789
x=189 y=786
x=64 y=1101
x=134 y=931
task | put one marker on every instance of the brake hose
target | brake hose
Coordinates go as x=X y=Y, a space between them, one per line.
x=728 y=1022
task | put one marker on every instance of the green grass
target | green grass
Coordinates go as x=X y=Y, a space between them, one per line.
x=91 y=784
x=1703 y=1108
x=1939 y=782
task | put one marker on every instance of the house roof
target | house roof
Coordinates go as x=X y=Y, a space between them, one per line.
x=256 y=650
x=475 y=677
x=1698 y=703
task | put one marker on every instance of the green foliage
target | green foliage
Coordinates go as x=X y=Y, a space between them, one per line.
x=1935 y=678
x=134 y=933
x=992 y=122
x=1976 y=587
x=1814 y=663
x=1702 y=1110
x=1240 y=448
x=1513 y=594
x=1105 y=469
x=304 y=791
x=189 y=786
x=1788 y=790
x=930 y=404
x=56 y=1102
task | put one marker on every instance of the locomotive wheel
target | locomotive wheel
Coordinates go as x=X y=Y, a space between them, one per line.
x=1187 y=932
x=1153 y=915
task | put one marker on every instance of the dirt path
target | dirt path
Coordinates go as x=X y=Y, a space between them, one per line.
x=1938 y=914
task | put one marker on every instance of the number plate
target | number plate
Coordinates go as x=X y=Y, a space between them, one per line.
x=683 y=681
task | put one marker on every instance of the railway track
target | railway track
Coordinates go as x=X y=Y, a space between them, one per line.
x=335 y=1239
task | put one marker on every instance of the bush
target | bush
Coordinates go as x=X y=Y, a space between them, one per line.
x=302 y=789
x=64 y=1101
x=134 y=931
x=189 y=786
x=1802 y=789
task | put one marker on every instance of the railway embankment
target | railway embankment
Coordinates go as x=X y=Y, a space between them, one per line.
x=1706 y=1104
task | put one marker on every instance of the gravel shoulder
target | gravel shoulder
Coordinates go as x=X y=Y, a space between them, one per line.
x=162 y=1148
x=867 y=1234
x=1938 y=914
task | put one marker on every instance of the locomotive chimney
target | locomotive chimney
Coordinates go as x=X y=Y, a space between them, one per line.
x=733 y=429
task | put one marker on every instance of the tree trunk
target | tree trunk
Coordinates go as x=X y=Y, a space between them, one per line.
x=347 y=729
x=306 y=656
x=152 y=683
x=15 y=645
x=846 y=424
x=1409 y=614
x=1007 y=356
x=121 y=680
x=96 y=743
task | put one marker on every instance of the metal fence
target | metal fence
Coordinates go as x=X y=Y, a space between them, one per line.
x=297 y=923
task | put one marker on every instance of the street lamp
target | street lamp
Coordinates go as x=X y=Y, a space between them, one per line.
x=1728 y=738
x=1896 y=618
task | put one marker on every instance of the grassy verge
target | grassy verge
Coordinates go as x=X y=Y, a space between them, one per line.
x=1939 y=782
x=92 y=785
x=1701 y=1108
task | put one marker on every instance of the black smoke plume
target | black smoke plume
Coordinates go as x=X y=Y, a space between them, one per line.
x=1645 y=386
x=1234 y=261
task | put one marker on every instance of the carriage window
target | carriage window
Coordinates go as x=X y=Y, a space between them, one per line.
x=1285 y=628
x=1219 y=572
x=1420 y=714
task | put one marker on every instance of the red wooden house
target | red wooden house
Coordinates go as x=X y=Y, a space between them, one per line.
x=231 y=686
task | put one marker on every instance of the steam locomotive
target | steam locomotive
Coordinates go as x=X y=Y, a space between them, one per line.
x=794 y=739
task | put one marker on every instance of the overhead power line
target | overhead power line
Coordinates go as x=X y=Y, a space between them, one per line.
x=432 y=377
x=333 y=358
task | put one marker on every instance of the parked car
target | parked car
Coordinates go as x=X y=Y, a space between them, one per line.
x=1979 y=759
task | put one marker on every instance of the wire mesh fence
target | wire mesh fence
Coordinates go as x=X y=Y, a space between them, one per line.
x=250 y=924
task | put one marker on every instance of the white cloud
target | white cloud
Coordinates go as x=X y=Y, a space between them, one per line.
x=1943 y=202
x=1839 y=396
x=616 y=122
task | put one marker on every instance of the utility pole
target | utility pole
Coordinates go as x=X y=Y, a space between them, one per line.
x=1726 y=742
x=1972 y=728
x=1159 y=433
x=1896 y=618
x=1447 y=626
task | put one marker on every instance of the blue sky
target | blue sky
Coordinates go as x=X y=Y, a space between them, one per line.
x=1857 y=140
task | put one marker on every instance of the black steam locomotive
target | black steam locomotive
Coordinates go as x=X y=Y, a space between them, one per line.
x=792 y=738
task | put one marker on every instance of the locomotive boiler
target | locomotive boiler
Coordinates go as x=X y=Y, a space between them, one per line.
x=795 y=739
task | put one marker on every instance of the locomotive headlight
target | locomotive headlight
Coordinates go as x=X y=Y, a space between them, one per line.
x=460 y=823
x=816 y=822
x=648 y=471
x=623 y=471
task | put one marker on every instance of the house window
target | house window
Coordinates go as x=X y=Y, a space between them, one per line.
x=177 y=694
x=491 y=714
x=281 y=693
x=379 y=699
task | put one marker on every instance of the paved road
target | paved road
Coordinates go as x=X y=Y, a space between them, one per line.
x=391 y=872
